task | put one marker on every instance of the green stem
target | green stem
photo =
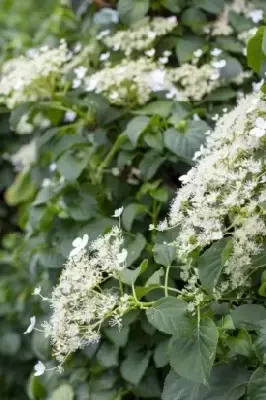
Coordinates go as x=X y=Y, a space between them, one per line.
x=166 y=280
x=116 y=146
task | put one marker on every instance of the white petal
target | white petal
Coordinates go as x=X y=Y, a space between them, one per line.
x=118 y=212
x=77 y=242
x=31 y=326
x=75 y=251
x=121 y=257
x=37 y=291
x=85 y=240
x=257 y=132
x=260 y=122
x=39 y=368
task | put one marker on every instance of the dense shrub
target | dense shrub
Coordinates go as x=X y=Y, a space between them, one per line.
x=102 y=111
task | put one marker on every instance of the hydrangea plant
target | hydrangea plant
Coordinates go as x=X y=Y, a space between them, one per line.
x=126 y=106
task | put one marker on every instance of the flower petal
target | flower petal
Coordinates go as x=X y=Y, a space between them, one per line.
x=85 y=240
x=77 y=242
x=260 y=122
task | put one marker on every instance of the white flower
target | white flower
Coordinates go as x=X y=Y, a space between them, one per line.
x=104 y=56
x=79 y=244
x=216 y=52
x=92 y=84
x=121 y=257
x=260 y=128
x=184 y=179
x=163 y=60
x=31 y=326
x=167 y=53
x=114 y=96
x=157 y=79
x=198 y=53
x=151 y=227
x=37 y=291
x=52 y=167
x=118 y=212
x=172 y=20
x=219 y=64
x=215 y=117
x=150 y=52
x=256 y=15
x=70 y=116
x=80 y=72
x=104 y=33
x=257 y=85
x=39 y=368
x=76 y=83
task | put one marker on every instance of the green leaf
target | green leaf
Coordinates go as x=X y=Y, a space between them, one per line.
x=129 y=276
x=255 y=54
x=186 y=46
x=81 y=205
x=10 y=343
x=211 y=263
x=135 y=248
x=35 y=390
x=49 y=258
x=104 y=395
x=211 y=6
x=40 y=345
x=44 y=195
x=118 y=337
x=64 y=392
x=22 y=189
x=149 y=386
x=194 y=18
x=150 y=164
x=221 y=94
x=185 y=144
x=232 y=69
x=240 y=22
x=229 y=43
x=173 y=5
x=241 y=344
x=158 y=107
x=71 y=164
x=227 y=382
x=107 y=355
x=134 y=366
x=248 y=316
x=154 y=140
x=168 y=315
x=132 y=10
x=136 y=127
x=164 y=254
x=257 y=385
x=155 y=278
x=131 y=211
x=197 y=351
x=161 y=354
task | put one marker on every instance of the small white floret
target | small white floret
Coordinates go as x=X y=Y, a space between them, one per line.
x=31 y=326
x=118 y=212
x=39 y=368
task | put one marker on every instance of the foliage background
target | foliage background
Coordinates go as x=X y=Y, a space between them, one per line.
x=38 y=224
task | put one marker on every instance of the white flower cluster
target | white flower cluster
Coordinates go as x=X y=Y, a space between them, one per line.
x=79 y=304
x=222 y=194
x=136 y=81
x=32 y=77
x=128 y=82
x=140 y=37
x=222 y=25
